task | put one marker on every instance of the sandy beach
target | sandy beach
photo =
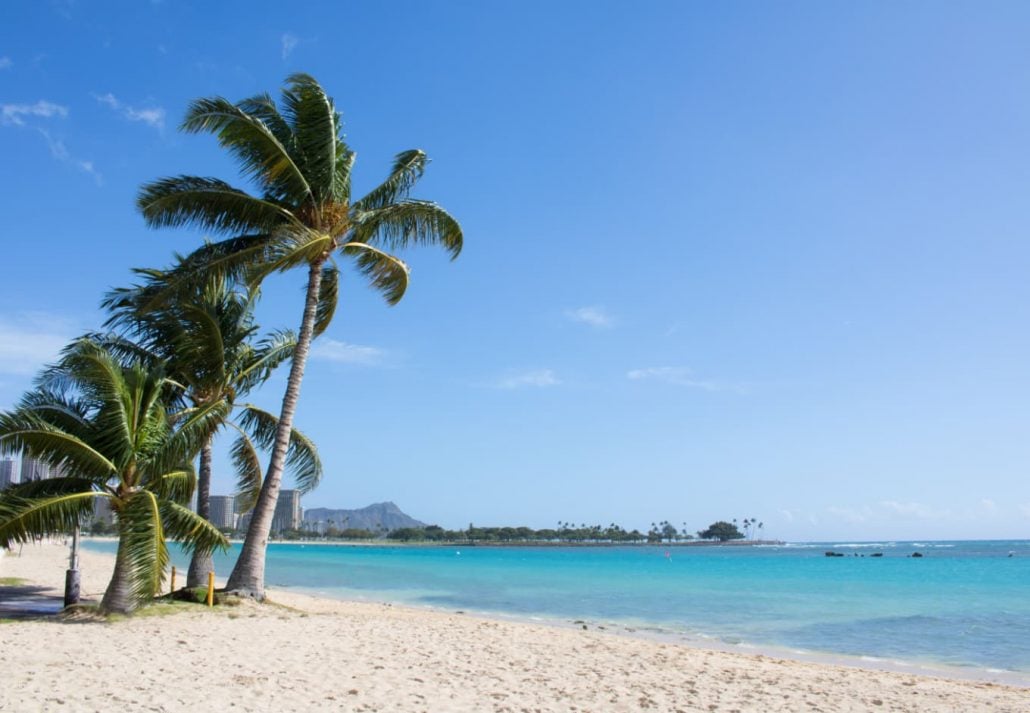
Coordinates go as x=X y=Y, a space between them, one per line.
x=306 y=654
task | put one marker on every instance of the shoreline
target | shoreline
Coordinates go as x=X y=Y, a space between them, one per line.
x=648 y=630
x=312 y=653
x=322 y=542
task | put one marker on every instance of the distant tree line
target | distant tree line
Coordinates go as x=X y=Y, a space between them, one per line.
x=659 y=533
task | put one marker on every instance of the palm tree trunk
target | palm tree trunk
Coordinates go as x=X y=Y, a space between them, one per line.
x=202 y=561
x=118 y=598
x=248 y=576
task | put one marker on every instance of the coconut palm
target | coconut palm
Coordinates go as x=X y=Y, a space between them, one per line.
x=304 y=218
x=207 y=340
x=107 y=428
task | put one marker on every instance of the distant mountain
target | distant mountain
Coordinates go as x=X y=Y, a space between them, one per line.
x=374 y=517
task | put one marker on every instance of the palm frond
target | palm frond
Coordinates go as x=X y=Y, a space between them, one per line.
x=248 y=471
x=194 y=532
x=344 y=166
x=290 y=248
x=302 y=459
x=385 y=273
x=176 y=485
x=328 y=297
x=271 y=351
x=123 y=420
x=201 y=348
x=407 y=223
x=248 y=138
x=46 y=507
x=263 y=107
x=126 y=303
x=124 y=350
x=408 y=167
x=207 y=203
x=140 y=531
x=24 y=432
x=230 y=259
x=195 y=426
x=58 y=410
x=315 y=123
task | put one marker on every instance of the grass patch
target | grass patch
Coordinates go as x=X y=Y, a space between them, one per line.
x=164 y=606
x=161 y=608
x=12 y=581
x=178 y=602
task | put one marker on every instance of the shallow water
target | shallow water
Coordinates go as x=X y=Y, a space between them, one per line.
x=963 y=604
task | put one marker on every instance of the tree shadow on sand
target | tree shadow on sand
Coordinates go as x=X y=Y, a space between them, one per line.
x=29 y=601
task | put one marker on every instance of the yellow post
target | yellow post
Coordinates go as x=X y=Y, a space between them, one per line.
x=210 y=589
x=173 y=579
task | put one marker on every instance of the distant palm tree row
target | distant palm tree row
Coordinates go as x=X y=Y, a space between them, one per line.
x=126 y=412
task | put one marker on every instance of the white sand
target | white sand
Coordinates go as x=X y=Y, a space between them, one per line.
x=345 y=656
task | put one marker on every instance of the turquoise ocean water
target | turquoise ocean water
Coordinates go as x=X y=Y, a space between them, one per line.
x=964 y=604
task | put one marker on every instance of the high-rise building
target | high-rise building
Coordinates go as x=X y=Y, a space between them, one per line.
x=287 y=511
x=8 y=474
x=222 y=511
x=102 y=511
x=32 y=469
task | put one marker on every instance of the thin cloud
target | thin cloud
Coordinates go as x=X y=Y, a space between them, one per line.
x=537 y=378
x=289 y=43
x=884 y=513
x=344 y=353
x=60 y=152
x=19 y=115
x=63 y=7
x=849 y=514
x=29 y=343
x=108 y=99
x=678 y=376
x=15 y=114
x=151 y=116
x=914 y=510
x=6 y=63
x=593 y=316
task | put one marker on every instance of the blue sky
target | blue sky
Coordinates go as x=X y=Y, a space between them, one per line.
x=722 y=259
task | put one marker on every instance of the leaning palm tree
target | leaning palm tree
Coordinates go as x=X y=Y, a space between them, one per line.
x=108 y=428
x=304 y=218
x=207 y=339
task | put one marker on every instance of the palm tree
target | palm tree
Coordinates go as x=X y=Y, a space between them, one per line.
x=304 y=218
x=108 y=428
x=206 y=337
